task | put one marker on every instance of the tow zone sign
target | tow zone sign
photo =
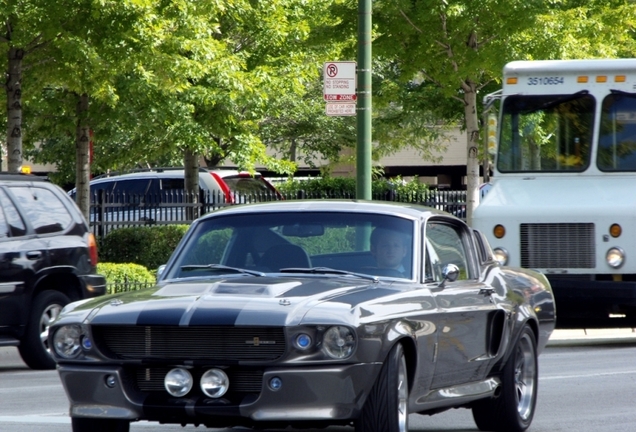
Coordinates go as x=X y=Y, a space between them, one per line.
x=339 y=88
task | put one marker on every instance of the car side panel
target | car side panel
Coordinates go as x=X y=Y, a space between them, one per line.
x=20 y=260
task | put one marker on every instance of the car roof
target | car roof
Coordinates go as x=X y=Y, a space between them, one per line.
x=167 y=173
x=12 y=177
x=413 y=211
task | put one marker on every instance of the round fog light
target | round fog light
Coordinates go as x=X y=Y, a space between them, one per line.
x=110 y=381
x=86 y=343
x=178 y=382
x=214 y=383
x=303 y=341
x=275 y=383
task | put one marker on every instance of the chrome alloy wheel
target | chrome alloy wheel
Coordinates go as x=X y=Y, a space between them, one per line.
x=525 y=376
x=50 y=314
x=402 y=396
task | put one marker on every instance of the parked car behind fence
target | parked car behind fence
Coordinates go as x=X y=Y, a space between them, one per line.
x=155 y=196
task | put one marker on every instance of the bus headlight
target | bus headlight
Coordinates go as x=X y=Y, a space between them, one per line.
x=501 y=255
x=615 y=257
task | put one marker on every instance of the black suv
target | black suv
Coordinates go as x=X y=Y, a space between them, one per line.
x=48 y=258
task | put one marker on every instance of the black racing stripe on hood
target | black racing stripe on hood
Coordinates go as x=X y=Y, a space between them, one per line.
x=355 y=298
x=314 y=287
x=215 y=315
x=165 y=316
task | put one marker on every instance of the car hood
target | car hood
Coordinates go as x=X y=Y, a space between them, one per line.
x=233 y=301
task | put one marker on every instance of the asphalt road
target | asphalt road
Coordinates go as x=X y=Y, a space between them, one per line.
x=586 y=384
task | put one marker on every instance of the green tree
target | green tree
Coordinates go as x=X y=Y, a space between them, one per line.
x=29 y=27
x=460 y=48
x=201 y=81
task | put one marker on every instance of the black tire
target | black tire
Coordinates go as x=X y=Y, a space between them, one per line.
x=99 y=425
x=34 y=345
x=386 y=408
x=513 y=409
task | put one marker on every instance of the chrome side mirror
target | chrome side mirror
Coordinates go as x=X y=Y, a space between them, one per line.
x=160 y=270
x=450 y=273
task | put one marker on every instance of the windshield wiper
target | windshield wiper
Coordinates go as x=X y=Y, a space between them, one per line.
x=328 y=270
x=192 y=267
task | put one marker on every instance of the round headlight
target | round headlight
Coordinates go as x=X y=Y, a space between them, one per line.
x=615 y=257
x=178 y=382
x=214 y=383
x=501 y=255
x=339 y=342
x=66 y=341
x=302 y=341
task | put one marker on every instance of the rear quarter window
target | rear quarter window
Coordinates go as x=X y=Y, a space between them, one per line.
x=44 y=210
x=15 y=223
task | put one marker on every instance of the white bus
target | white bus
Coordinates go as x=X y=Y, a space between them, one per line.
x=563 y=199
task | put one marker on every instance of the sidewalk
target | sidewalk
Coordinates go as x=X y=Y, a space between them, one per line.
x=569 y=336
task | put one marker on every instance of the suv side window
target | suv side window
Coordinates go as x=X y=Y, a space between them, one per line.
x=41 y=206
x=16 y=224
x=131 y=191
x=4 y=226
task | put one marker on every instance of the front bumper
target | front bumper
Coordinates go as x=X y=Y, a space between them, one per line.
x=330 y=394
x=583 y=302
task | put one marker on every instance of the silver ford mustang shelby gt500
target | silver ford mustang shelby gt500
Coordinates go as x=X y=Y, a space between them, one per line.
x=312 y=313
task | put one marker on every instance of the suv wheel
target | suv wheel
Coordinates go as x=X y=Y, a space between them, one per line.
x=34 y=346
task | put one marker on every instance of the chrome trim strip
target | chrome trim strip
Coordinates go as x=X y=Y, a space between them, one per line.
x=8 y=287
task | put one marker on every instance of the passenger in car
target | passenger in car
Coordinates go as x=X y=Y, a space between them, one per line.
x=388 y=247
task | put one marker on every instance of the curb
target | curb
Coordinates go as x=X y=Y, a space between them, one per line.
x=591 y=336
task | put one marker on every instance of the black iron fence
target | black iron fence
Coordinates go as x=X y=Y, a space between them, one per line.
x=112 y=211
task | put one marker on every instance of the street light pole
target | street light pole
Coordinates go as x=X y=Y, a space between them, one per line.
x=363 y=112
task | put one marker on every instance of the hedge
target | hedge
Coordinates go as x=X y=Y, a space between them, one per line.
x=125 y=277
x=149 y=246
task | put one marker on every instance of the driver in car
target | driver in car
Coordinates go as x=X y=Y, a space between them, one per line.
x=388 y=247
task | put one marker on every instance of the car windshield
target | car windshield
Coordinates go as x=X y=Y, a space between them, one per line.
x=549 y=133
x=298 y=242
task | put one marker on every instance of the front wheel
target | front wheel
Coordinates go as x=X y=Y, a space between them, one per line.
x=99 y=425
x=513 y=409
x=34 y=346
x=386 y=408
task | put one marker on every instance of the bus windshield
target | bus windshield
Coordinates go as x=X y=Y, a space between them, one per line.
x=617 y=138
x=546 y=133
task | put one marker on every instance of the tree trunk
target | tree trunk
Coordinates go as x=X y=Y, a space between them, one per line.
x=14 y=109
x=82 y=157
x=472 y=161
x=191 y=182
x=292 y=150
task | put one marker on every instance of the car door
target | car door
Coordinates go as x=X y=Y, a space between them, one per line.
x=466 y=307
x=22 y=255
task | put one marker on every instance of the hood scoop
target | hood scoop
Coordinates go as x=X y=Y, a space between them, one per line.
x=263 y=290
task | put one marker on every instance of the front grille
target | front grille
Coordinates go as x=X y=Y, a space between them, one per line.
x=241 y=381
x=557 y=245
x=191 y=343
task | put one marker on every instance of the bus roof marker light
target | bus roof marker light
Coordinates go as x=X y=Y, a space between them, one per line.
x=581 y=79
x=601 y=78
x=620 y=78
x=512 y=80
